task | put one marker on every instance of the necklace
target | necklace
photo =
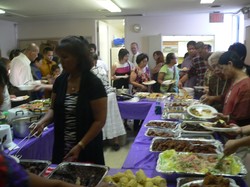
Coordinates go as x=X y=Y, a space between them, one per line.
x=217 y=87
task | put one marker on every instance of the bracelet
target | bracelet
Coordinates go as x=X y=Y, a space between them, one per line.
x=81 y=145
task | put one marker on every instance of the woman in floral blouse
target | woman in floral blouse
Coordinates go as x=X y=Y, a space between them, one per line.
x=140 y=74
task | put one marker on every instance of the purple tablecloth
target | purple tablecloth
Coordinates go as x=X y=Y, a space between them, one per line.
x=134 y=110
x=37 y=148
x=139 y=156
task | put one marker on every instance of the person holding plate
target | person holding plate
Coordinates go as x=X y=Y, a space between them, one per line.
x=168 y=76
x=233 y=145
x=140 y=75
x=121 y=70
x=236 y=106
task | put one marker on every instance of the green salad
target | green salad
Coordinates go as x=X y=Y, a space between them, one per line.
x=171 y=161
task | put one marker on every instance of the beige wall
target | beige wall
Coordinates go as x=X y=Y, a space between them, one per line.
x=179 y=25
x=168 y=25
x=8 y=37
x=56 y=29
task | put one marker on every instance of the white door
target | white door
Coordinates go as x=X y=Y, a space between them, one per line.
x=103 y=42
x=247 y=42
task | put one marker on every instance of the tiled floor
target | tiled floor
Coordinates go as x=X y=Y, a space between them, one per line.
x=115 y=159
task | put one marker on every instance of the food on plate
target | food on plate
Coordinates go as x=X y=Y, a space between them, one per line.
x=195 y=112
x=194 y=146
x=37 y=105
x=202 y=111
x=154 y=95
x=129 y=179
x=164 y=124
x=171 y=161
x=160 y=133
x=185 y=96
x=219 y=124
x=192 y=127
x=141 y=94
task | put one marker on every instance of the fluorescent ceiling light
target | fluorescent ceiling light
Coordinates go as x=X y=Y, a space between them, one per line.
x=206 y=1
x=2 y=11
x=109 y=5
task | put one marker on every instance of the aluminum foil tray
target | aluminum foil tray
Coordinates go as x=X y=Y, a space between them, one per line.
x=193 y=127
x=197 y=136
x=186 y=145
x=157 y=132
x=163 y=124
x=163 y=163
x=186 y=182
x=78 y=173
x=37 y=167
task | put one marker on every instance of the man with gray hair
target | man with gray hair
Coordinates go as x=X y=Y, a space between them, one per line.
x=134 y=47
x=20 y=71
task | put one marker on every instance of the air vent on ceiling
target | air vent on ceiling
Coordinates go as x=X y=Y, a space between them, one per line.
x=124 y=15
x=215 y=6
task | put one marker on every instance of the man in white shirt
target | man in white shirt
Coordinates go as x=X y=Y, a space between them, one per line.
x=20 y=71
x=135 y=52
x=100 y=63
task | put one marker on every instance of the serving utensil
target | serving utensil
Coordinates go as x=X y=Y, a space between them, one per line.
x=220 y=162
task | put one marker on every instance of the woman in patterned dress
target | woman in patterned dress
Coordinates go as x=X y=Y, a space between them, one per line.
x=140 y=74
x=78 y=108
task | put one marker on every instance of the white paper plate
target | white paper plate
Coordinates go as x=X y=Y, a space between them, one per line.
x=20 y=98
x=149 y=82
x=121 y=76
x=184 y=69
x=208 y=125
x=204 y=111
x=168 y=82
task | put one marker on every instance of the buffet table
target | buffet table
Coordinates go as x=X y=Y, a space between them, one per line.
x=36 y=148
x=41 y=148
x=139 y=156
x=134 y=110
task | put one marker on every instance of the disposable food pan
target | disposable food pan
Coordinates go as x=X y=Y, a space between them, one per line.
x=157 y=132
x=79 y=173
x=187 y=181
x=37 y=167
x=169 y=163
x=197 y=136
x=173 y=125
x=175 y=116
x=193 y=127
x=159 y=144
